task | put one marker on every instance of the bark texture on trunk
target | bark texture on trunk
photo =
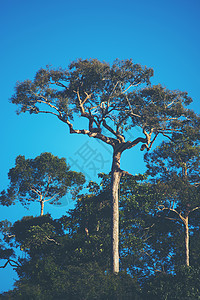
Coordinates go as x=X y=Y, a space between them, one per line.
x=187 y=251
x=41 y=208
x=115 y=181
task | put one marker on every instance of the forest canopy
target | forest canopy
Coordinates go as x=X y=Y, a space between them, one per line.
x=129 y=236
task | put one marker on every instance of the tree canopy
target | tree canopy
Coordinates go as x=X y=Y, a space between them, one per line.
x=151 y=219
x=44 y=178
x=116 y=98
x=69 y=257
x=175 y=166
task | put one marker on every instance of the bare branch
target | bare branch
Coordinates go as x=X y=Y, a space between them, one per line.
x=12 y=263
x=170 y=103
x=59 y=84
x=151 y=143
x=119 y=136
x=132 y=113
x=147 y=228
x=82 y=109
x=198 y=207
x=107 y=140
x=164 y=134
x=51 y=105
x=52 y=240
x=131 y=85
x=48 y=112
x=125 y=172
x=129 y=145
x=46 y=102
x=36 y=191
x=173 y=210
x=87 y=97
x=50 y=198
x=114 y=88
x=172 y=219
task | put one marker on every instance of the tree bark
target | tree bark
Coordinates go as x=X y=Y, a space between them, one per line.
x=41 y=208
x=187 y=252
x=115 y=181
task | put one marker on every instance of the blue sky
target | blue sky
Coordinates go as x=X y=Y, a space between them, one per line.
x=160 y=34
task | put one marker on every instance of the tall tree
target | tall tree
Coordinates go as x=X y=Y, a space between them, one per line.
x=113 y=97
x=175 y=166
x=44 y=178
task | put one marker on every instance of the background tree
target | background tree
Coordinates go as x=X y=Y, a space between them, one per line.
x=60 y=263
x=88 y=224
x=184 y=285
x=115 y=98
x=44 y=178
x=6 y=250
x=175 y=166
x=78 y=241
x=69 y=257
x=142 y=240
x=138 y=205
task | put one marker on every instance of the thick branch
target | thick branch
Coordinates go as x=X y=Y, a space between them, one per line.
x=45 y=101
x=48 y=103
x=173 y=210
x=48 y=112
x=9 y=235
x=119 y=136
x=129 y=145
x=81 y=103
x=107 y=140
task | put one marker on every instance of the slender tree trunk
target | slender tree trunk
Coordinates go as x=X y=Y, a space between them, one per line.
x=187 y=237
x=41 y=208
x=115 y=181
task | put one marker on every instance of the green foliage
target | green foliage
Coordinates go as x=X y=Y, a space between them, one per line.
x=45 y=178
x=81 y=282
x=113 y=97
x=184 y=285
x=31 y=233
x=89 y=227
x=66 y=265
x=174 y=167
x=70 y=257
x=91 y=76
x=179 y=157
x=6 y=251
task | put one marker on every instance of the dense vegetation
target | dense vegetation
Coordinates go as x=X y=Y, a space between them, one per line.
x=128 y=237
x=70 y=257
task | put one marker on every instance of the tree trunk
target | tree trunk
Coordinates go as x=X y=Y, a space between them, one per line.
x=187 y=253
x=41 y=208
x=115 y=181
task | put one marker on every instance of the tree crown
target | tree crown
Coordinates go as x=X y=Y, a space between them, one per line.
x=115 y=98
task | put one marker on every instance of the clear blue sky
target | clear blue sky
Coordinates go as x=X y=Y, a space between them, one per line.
x=162 y=34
